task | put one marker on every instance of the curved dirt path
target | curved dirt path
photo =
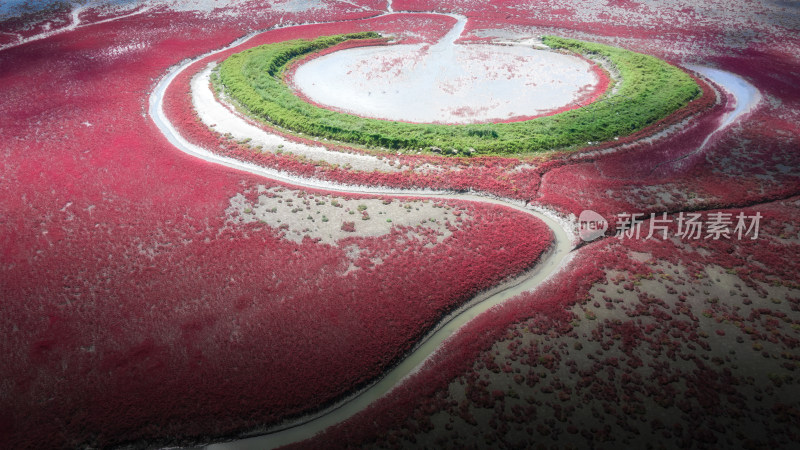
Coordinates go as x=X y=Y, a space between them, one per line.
x=564 y=234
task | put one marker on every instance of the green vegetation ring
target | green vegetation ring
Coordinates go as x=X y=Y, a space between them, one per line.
x=649 y=89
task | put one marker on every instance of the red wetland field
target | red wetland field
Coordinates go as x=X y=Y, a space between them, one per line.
x=181 y=266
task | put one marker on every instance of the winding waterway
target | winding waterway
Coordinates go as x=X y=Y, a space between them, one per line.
x=563 y=237
x=549 y=263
